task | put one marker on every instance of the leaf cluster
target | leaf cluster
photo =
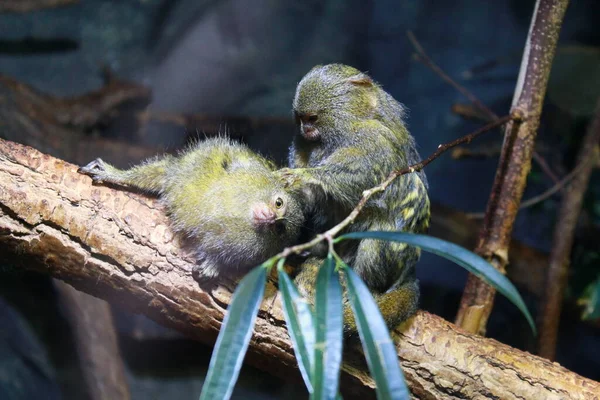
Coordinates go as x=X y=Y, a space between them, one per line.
x=317 y=333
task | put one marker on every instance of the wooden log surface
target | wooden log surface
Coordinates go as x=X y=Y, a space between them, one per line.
x=117 y=245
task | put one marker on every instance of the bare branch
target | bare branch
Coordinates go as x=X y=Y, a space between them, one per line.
x=560 y=185
x=515 y=160
x=481 y=109
x=543 y=164
x=423 y=57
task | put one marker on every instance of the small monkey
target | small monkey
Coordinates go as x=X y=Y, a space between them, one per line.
x=351 y=136
x=221 y=196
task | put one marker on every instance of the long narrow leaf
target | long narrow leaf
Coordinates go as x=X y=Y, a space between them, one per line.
x=461 y=256
x=234 y=336
x=376 y=341
x=300 y=324
x=328 y=346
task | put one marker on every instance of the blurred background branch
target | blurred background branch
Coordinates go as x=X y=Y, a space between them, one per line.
x=564 y=235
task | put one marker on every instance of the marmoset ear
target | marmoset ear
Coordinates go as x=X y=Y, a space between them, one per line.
x=361 y=80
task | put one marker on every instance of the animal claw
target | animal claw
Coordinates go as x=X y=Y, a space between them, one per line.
x=93 y=170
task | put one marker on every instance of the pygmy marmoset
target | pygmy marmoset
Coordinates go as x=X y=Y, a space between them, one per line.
x=351 y=137
x=223 y=197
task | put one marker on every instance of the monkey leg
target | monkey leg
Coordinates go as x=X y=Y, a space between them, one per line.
x=384 y=264
x=149 y=176
x=396 y=304
x=205 y=271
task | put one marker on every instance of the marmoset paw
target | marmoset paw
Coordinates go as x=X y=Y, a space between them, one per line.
x=94 y=169
x=205 y=273
x=288 y=176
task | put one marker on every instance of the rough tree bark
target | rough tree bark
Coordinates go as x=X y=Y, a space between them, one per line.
x=515 y=160
x=117 y=245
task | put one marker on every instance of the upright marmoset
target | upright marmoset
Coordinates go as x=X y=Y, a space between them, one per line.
x=223 y=197
x=351 y=136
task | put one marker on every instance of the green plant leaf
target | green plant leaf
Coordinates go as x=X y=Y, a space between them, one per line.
x=234 y=335
x=461 y=256
x=329 y=342
x=377 y=344
x=300 y=323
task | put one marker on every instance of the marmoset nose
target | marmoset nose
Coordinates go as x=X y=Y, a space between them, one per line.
x=262 y=214
x=309 y=131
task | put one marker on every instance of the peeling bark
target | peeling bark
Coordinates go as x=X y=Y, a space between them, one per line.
x=515 y=160
x=117 y=245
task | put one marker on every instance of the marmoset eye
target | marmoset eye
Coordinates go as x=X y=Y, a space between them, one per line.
x=279 y=202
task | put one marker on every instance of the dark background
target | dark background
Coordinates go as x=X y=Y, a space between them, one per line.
x=244 y=58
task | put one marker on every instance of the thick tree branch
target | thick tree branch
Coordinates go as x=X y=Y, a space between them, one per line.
x=117 y=245
x=564 y=233
x=515 y=160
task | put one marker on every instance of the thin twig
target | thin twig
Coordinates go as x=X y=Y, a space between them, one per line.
x=544 y=195
x=469 y=111
x=490 y=64
x=543 y=164
x=494 y=151
x=367 y=194
x=425 y=59
x=557 y=187
x=489 y=114
x=479 y=152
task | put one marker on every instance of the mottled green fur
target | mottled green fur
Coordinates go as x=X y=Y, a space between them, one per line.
x=396 y=304
x=209 y=191
x=356 y=137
